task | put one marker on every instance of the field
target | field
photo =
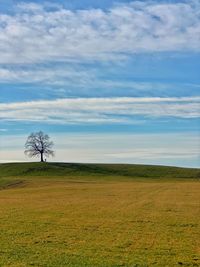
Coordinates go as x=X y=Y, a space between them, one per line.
x=99 y=215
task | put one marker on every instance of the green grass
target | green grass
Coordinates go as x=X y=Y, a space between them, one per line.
x=76 y=215
x=70 y=170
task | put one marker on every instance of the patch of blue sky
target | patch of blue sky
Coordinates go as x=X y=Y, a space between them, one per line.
x=140 y=125
x=30 y=92
x=21 y=92
x=80 y=4
x=142 y=75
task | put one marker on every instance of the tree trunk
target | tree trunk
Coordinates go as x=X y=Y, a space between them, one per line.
x=41 y=154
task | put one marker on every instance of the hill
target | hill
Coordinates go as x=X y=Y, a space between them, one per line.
x=21 y=171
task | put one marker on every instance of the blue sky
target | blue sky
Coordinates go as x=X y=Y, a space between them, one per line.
x=123 y=71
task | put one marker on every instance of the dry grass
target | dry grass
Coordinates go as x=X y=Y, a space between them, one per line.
x=58 y=223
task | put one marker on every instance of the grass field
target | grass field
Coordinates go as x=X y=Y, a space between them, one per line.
x=99 y=215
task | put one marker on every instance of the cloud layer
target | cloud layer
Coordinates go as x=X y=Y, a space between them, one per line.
x=42 y=33
x=101 y=110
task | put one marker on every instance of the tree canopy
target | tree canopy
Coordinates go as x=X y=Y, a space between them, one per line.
x=39 y=145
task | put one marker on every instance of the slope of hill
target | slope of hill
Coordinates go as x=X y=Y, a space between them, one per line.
x=91 y=171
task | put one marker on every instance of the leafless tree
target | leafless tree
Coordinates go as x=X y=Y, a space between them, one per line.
x=39 y=145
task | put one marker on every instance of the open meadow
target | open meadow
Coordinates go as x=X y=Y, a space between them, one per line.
x=99 y=215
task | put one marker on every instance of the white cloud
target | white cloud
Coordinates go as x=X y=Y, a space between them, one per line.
x=101 y=110
x=46 y=75
x=36 y=33
x=73 y=79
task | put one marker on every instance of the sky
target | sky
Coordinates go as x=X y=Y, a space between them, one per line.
x=109 y=81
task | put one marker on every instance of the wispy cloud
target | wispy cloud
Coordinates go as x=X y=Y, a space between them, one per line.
x=75 y=77
x=46 y=75
x=101 y=110
x=39 y=33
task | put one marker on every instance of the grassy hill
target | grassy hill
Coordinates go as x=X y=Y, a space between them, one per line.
x=21 y=171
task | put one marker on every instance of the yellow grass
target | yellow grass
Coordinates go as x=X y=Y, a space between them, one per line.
x=133 y=223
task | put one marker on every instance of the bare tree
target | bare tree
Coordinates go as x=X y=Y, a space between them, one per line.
x=39 y=145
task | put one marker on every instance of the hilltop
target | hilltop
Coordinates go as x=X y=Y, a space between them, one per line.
x=92 y=171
